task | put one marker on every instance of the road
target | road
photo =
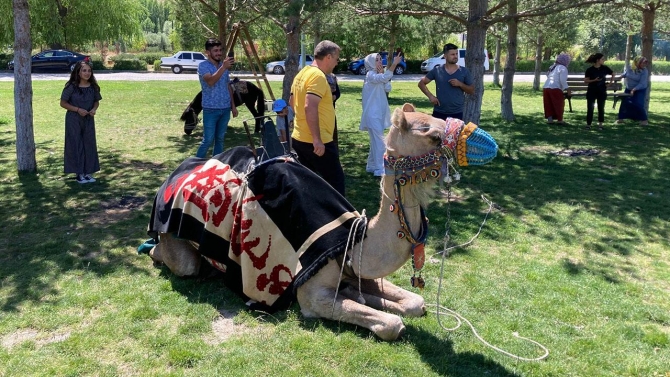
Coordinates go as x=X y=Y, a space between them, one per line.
x=168 y=76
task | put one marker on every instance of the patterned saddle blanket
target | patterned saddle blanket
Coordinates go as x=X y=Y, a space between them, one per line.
x=269 y=227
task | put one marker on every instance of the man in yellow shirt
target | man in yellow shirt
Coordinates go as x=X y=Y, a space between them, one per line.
x=312 y=102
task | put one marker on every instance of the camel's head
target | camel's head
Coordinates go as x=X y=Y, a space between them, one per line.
x=419 y=142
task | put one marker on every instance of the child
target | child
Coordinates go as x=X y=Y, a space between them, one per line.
x=285 y=117
x=80 y=98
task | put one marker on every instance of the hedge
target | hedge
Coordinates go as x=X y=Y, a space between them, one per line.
x=579 y=66
x=130 y=65
x=150 y=57
x=4 y=60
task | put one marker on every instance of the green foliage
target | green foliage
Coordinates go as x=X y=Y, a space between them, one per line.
x=96 y=63
x=123 y=56
x=4 y=59
x=579 y=66
x=75 y=22
x=150 y=57
x=130 y=65
x=157 y=65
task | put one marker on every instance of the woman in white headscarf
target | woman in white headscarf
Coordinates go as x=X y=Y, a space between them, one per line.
x=376 y=114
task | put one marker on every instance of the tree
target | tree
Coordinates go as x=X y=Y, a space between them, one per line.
x=23 y=90
x=291 y=16
x=477 y=17
x=649 y=11
x=77 y=22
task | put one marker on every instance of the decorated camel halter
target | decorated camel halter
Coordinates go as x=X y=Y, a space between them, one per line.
x=473 y=146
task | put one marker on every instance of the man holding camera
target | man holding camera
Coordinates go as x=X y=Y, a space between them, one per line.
x=217 y=97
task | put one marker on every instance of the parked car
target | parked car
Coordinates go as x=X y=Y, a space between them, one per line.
x=438 y=59
x=54 y=60
x=278 y=66
x=183 y=60
x=358 y=66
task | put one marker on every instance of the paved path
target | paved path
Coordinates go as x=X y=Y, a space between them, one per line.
x=168 y=76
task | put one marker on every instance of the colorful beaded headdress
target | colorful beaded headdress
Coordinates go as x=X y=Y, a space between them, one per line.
x=470 y=144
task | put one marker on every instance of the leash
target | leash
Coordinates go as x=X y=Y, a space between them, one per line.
x=458 y=317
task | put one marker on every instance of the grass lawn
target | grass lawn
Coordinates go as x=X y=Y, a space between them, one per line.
x=575 y=255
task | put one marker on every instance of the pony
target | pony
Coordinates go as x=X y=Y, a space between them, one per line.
x=244 y=92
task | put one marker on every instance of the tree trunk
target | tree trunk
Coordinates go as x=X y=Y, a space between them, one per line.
x=474 y=59
x=647 y=34
x=496 y=63
x=629 y=48
x=23 y=89
x=293 y=47
x=506 y=108
x=538 y=61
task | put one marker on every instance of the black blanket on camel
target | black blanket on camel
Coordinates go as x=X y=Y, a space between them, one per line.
x=269 y=227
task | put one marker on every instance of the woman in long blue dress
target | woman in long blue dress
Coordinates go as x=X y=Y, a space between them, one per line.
x=636 y=84
x=80 y=98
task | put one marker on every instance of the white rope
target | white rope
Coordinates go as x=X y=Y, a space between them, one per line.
x=351 y=238
x=459 y=318
x=447 y=249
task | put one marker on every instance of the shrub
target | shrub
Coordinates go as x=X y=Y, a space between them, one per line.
x=130 y=65
x=96 y=63
x=123 y=56
x=150 y=57
x=157 y=65
x=413 y=66
x=4 y=59
x=580 y=66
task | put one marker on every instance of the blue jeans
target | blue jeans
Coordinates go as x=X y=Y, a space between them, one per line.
x=214 y=124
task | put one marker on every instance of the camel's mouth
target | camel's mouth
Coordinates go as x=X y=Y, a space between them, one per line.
x=472 y=145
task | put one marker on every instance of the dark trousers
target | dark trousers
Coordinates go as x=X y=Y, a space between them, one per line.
x=327 y=166
x=443 y=116
x=591 y=97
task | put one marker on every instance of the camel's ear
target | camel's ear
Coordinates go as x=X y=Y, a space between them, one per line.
x=408 y=108
x=398 y=119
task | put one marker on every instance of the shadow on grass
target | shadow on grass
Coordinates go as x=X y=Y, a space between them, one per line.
x=59 y=225
x=622 y=182
x=437 y=353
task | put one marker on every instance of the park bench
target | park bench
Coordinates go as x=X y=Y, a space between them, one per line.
x=578 y=88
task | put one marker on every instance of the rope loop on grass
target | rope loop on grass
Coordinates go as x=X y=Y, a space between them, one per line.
x=459 y=318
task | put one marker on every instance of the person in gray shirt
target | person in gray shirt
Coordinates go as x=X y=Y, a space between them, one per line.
x=452 y=82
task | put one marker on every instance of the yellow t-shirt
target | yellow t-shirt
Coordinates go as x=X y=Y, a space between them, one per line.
x=313 y=81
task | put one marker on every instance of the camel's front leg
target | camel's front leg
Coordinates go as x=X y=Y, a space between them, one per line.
x=316 y=300
x=383 y=295
x=177 y=254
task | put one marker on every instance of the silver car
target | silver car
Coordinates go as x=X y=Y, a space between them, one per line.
x=278 y=66
x=183 y=60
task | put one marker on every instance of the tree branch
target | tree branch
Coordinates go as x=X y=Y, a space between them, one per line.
x=544 y=10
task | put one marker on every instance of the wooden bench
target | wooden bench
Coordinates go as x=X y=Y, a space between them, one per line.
x=578 y=88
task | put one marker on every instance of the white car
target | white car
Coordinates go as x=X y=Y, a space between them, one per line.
x=183 y=60
x=438 y=59
x=278 y=66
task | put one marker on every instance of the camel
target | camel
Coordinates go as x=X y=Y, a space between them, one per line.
x=351 y=287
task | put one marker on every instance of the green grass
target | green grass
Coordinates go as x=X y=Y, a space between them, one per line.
x=575 y=255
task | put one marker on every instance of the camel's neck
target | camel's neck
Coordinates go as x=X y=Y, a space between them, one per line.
x=383 y=251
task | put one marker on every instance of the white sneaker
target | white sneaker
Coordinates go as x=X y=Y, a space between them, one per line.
x=89 y=178
x=81 y=179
